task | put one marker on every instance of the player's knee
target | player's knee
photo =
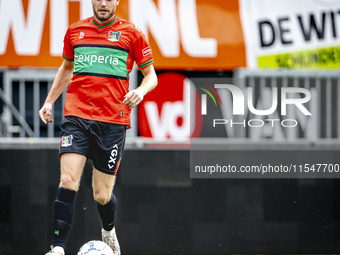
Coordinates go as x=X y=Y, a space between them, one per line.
x=102 y=198
x=68 y=183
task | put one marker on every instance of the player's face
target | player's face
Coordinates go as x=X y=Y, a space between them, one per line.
x=104 y=9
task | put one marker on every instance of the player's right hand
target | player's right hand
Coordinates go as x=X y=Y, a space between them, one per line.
x=45 y=113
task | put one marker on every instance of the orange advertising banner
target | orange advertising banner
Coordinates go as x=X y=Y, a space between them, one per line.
x=183 y=34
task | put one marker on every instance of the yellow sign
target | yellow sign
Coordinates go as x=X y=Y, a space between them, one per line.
x=318 y=58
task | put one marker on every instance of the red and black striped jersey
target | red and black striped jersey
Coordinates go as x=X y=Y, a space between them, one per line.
x=103 y=56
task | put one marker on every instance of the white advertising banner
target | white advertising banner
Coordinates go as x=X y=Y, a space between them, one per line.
x=291 y=33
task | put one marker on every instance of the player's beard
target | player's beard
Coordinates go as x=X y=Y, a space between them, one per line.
x=107 y=16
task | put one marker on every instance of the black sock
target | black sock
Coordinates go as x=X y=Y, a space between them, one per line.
x=107 y=213
x=62 y=216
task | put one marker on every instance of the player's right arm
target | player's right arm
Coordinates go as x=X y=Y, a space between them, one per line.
x=61 y=81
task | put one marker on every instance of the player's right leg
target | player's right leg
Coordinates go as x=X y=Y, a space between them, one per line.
x=73 y=154
x=72 y=165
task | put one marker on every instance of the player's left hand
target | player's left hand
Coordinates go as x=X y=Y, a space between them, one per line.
x=133 y=98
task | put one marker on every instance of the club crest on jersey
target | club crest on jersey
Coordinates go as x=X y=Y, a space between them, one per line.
x=66 y=141
x=114 y=36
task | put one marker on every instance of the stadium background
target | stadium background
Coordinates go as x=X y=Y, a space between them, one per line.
x=161 y=210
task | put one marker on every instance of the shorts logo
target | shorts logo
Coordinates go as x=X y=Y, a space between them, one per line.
x=114 y=36
x=113 y=157
x=66 y=141
x=146 y=51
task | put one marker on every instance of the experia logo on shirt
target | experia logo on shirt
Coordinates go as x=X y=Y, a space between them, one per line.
x=101 y=59
x=94 y=59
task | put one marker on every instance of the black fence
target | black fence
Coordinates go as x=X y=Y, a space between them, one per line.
x=162 y=211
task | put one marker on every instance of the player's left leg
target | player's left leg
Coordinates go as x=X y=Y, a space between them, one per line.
x=102 y=193
x=108 y=141
x=106 y=203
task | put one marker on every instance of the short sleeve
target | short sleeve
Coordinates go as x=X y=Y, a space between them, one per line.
x=142 y=51
x=68 y=52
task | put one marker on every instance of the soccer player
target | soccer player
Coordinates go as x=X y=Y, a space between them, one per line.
x=99 y=52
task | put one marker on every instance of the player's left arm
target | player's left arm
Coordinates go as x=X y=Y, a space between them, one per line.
x=149 y=82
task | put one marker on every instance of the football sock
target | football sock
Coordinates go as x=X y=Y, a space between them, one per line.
x=62 y=216
x=107 y=213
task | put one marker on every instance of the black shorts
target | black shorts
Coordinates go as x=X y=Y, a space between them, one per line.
x=101 y=142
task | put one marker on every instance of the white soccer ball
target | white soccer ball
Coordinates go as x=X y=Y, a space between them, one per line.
x=95 y=248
